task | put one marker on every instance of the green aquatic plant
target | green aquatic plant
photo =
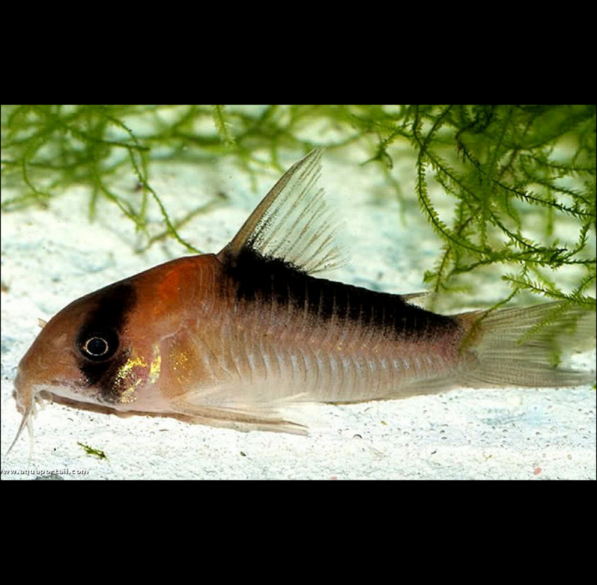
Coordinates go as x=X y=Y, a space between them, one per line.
x=503 y=187
x=515 y=174
x=91 y=451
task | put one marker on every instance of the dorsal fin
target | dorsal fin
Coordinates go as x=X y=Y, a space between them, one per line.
x=292 y=223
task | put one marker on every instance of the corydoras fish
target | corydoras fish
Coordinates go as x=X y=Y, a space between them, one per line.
x=234 y=338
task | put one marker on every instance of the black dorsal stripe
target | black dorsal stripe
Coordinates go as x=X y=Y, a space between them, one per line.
x=272 y=280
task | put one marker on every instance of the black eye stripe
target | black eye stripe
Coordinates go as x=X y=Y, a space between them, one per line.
x=106 y=321
x=113 y=304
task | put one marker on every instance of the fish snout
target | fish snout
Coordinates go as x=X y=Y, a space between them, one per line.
x=24 y=393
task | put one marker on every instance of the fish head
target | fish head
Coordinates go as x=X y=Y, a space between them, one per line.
x=90 y=352
x=107 y=348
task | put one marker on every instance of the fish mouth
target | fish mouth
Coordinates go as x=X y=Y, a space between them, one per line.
x=69 y=393
x=29 y=391
x=29 y=394
x=26 y=397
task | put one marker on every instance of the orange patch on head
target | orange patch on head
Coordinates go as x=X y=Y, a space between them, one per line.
x=167 y=290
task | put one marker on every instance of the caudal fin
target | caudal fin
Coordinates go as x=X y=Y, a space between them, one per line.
x=527 y=346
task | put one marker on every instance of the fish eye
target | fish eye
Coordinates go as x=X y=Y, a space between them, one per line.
x=98 y=346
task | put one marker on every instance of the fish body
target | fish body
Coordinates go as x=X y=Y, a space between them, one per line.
x=236 y=337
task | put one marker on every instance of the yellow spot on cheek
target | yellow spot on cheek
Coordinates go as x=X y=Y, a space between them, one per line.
x=128 y=396
x=127 y=368
x=126 y=377
x=156 y=366
x=180 y=360
x=132 y=374
x=181 y=364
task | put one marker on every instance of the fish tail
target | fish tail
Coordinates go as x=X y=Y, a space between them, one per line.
x=527 y=346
